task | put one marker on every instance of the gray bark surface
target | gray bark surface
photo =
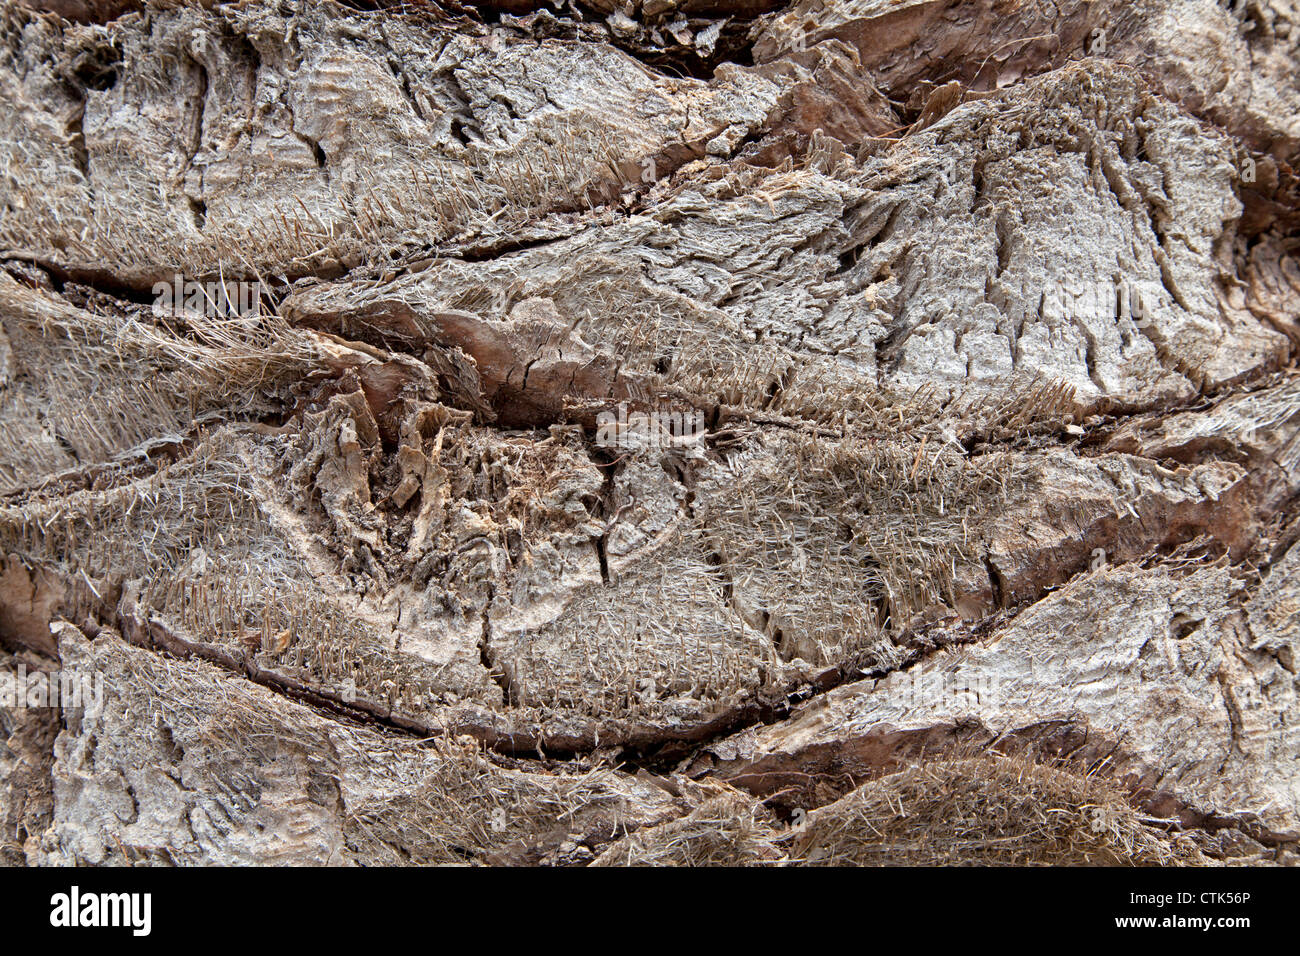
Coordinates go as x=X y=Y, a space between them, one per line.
x=989 y=311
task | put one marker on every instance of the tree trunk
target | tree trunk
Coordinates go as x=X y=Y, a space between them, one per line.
x=668 y=432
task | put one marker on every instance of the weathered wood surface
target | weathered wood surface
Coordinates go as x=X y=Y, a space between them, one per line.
x=989 y=313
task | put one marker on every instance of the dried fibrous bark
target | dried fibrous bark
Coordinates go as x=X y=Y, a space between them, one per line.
x=986 y=313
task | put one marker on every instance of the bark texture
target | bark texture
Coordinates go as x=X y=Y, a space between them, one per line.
x=987 y=309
